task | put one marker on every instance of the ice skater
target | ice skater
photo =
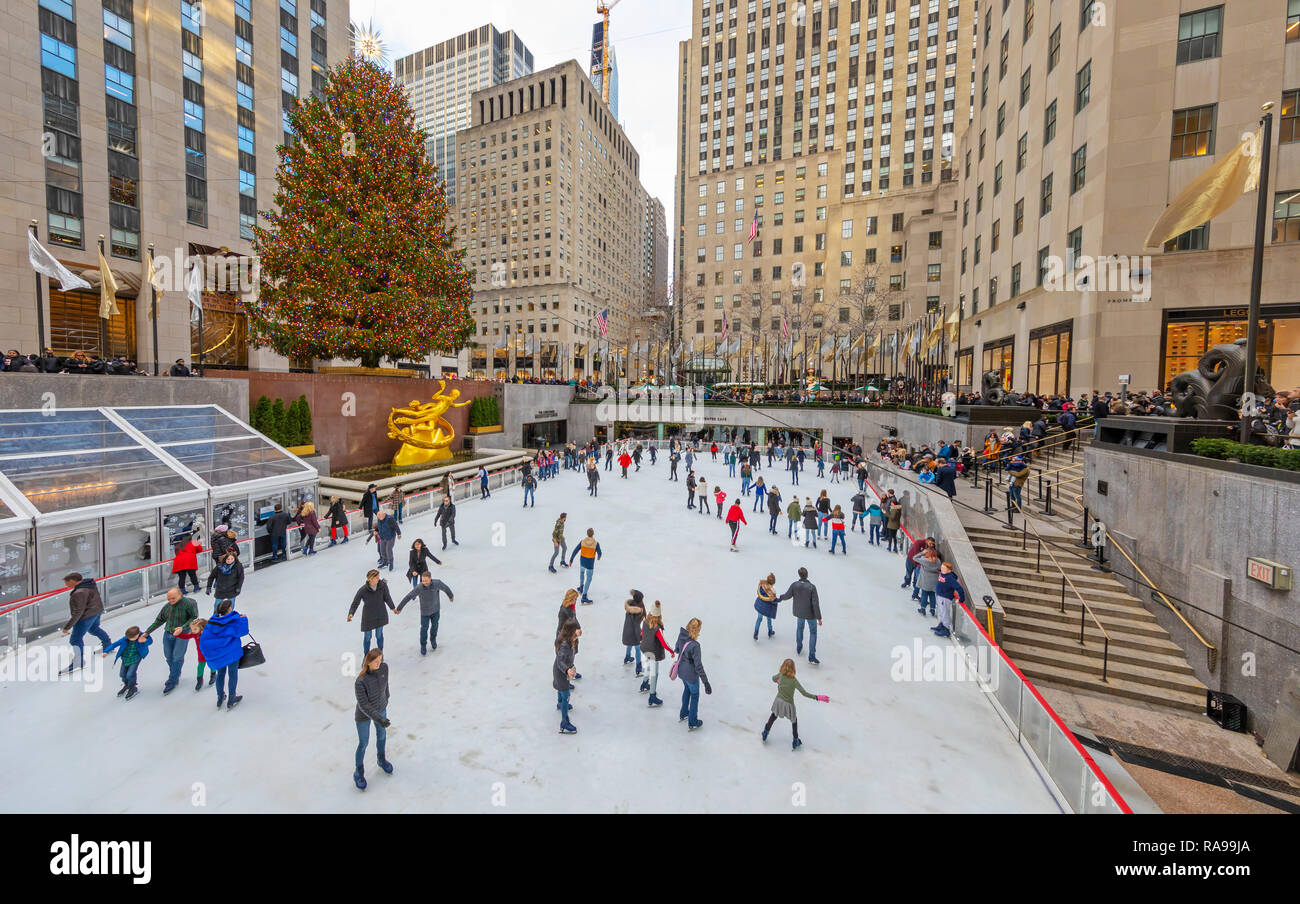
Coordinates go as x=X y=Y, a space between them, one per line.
x=417 y=562
x=765 y=605
x=783 y=705
x=624 y=462
x=735 y=518
x=338 y=516
x=559 y=547
x=690 y=668
x=563 y=672
x=223 y=647
x=132 y=647
x=633 y=614
x=806 y=609
x=374 y=595
x=773 y=508
x=446 y=517
x=702 y=494
x=690 y=489
x=371 y=690
x=85 y=609
x=589 y=550
x=654 y=647
x=483 y=491
x=950 y=592
x=530 y=487
x=593 y=478
x=428 y=591
x=760 y=494
x=837 y=530
x=193 y=632
x=719 y=497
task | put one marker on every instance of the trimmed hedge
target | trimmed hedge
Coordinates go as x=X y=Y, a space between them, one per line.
x=1264 y=456
x=484 y=412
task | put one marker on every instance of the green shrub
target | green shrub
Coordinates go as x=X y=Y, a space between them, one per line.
x=484 y=412
x=278 y=420
x=304 y=421
x=261 y=415
x=1262 y=456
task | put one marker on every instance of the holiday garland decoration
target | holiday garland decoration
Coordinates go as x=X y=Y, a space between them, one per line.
x=358 y=260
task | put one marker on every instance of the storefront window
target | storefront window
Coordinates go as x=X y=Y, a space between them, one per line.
x=74 y=325
x=225 y=334
x=1190 y=334
x=1049 y=359
x=965 y=362
x=998 y=357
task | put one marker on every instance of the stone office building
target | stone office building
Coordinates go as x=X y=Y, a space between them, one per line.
x=149 y=124
x=1089 y=119
x=550 y=212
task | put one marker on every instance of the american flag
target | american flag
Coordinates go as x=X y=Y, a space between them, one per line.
x=753 y=229
x=723 y=340
x=785 y=327
x=602 y=321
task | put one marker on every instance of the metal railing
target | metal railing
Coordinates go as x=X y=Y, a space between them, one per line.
x=42 y=614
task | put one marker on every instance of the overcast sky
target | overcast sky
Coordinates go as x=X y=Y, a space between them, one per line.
x=645 y=35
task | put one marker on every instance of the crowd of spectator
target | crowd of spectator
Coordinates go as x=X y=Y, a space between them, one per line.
x=76 y=363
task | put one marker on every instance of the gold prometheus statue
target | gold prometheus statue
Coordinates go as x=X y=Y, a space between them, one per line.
x=424 y=432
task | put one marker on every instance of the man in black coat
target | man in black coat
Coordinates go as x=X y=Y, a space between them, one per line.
x=945 y=478
x=806 y=609
x=446 y=517
x=277 y=528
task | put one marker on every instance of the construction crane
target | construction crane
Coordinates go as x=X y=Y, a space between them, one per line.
x=602 y=9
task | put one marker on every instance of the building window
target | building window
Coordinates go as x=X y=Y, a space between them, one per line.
x=1289 y=123
x=1054 y=48
x=1045 y=196
x=998 y=357
x=1083 y=87
x=1198 y=35
x=1074 y=247
x=997 y=179
x=1078 y=169
x=1049 y=124
x=1049 y=359
x=1286 y=217
x=1193 y=132
x=1019 y=217
x=1024 y=88
x=996 y=239
x=1043 y=255
x=1015 y=280
x=1197 y=239
x=74 y=325
x=1293 y=20
x=936 y=239
x=934 y=272
x=1002 y=118
x=1086 y=12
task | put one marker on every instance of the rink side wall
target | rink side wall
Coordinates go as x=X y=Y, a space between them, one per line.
x=1192 y=524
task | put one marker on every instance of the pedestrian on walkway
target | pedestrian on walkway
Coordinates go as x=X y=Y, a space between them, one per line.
x=85 y=609
x=558 y=546
x=375 y=597
x=427 y=589
x=690 y=668
x=807 y=610
x=783 y=705
x=176 y=614
x=371 y=692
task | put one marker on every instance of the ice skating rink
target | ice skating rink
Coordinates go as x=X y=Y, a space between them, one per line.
x=474 y=726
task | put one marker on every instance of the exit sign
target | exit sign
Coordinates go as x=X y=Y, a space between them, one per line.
x=1271 y=574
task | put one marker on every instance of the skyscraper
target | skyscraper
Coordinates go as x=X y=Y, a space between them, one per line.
x=441 y=78
x=597 y=68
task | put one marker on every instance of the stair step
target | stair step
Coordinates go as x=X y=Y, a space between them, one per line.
x=1087 y=662
x=1185 y=701
x=1151 y=638
x=1049 y=643
x=1024 y=573
x=1070 y=619
x=1014 y=598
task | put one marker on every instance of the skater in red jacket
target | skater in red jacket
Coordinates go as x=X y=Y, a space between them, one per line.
x=624 y=461
x=720 y=497
x=735 y=518
x=186 y=564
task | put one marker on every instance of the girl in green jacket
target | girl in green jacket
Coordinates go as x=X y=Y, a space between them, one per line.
x=783 y=705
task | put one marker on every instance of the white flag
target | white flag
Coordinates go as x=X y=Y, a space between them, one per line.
x=43 y=262
x=194 y=289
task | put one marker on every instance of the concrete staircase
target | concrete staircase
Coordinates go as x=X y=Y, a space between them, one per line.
x=1144 y=663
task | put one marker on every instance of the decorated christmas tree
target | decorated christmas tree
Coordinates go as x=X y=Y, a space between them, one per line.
x=358 y=260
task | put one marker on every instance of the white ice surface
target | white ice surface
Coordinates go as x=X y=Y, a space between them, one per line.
x=474 y=723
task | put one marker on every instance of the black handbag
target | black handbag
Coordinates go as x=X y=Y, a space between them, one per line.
x=252 y=654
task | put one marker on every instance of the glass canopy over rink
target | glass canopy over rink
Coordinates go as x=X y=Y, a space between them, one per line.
x=113 y=493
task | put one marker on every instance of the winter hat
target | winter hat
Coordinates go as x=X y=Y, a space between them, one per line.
x=656 y=610
x=638 y=597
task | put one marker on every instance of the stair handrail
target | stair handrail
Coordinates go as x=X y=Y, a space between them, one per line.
x=1072 y=467
x=1105 y=656
x=1211 y=651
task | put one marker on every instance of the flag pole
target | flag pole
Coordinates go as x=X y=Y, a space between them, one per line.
x=153 y=309
x=1257 y=267
x=40 y=302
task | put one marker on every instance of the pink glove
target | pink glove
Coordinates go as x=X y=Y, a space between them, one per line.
x=822 y=698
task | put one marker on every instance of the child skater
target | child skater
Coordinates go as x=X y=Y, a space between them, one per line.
x=131 y=652
x=765 y=605
x=783 y=705
x=719 y=497
x=196 y=629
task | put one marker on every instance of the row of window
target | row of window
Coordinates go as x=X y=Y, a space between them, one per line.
x=62 y=123
x=120 y=110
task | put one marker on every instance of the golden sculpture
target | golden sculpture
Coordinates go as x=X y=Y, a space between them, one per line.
x=424 y=432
